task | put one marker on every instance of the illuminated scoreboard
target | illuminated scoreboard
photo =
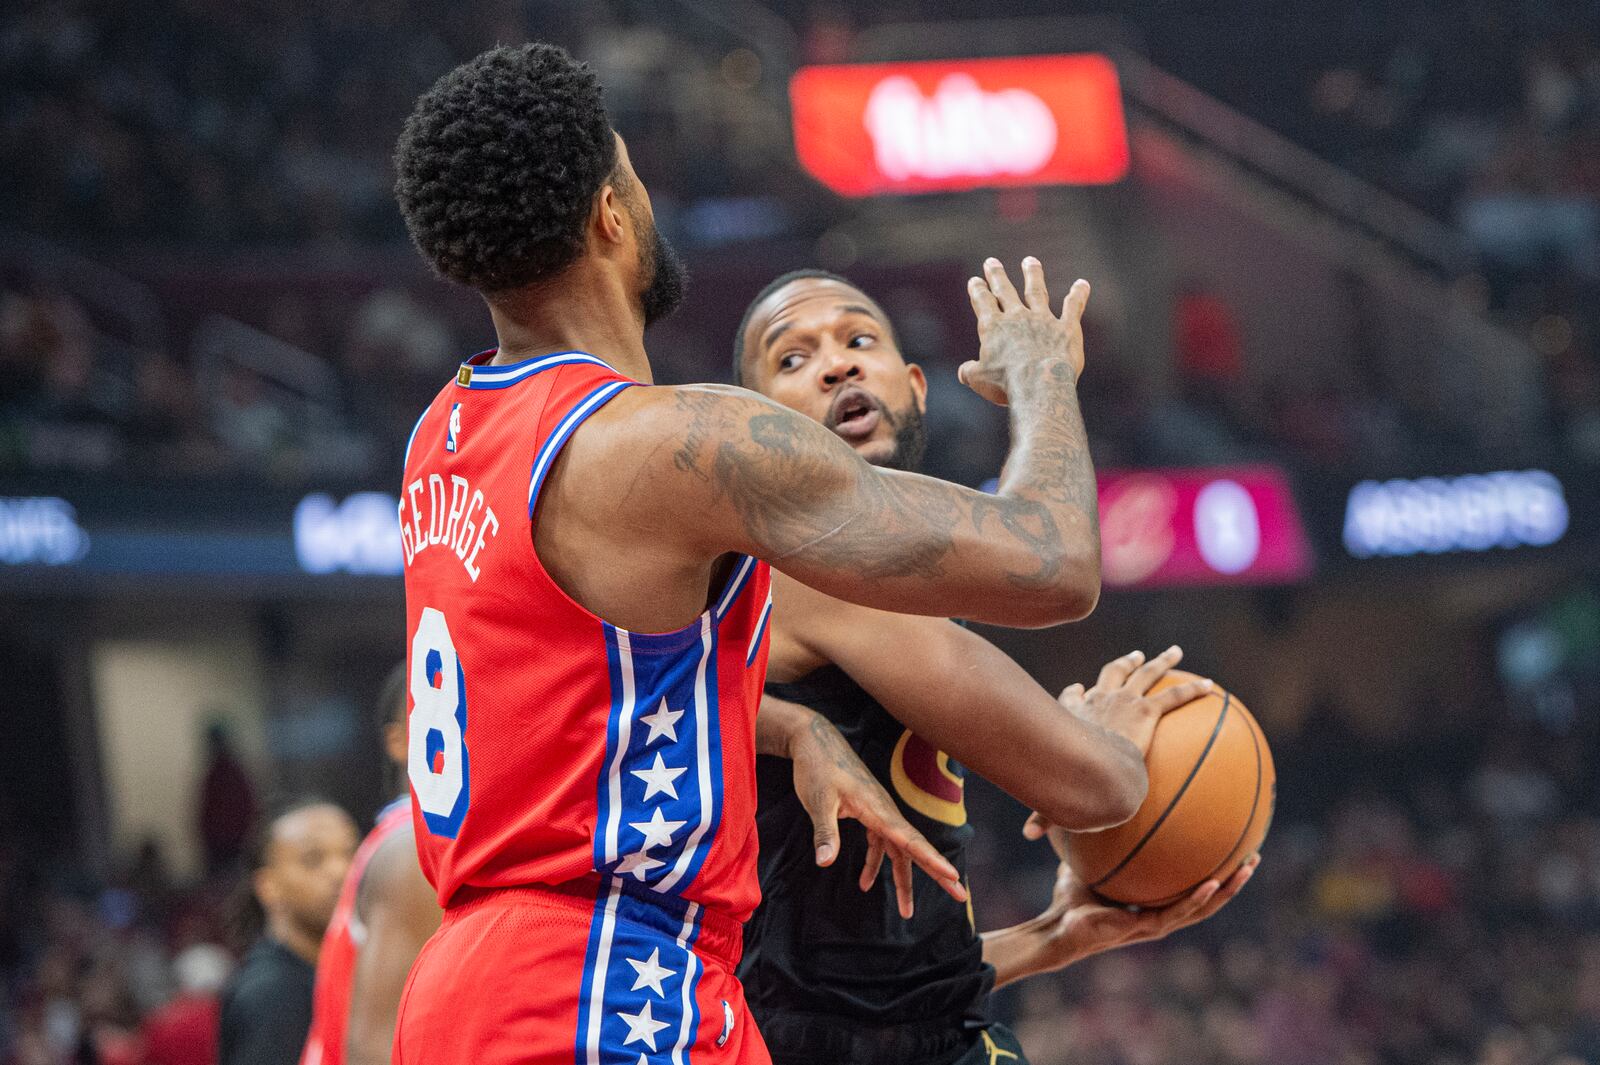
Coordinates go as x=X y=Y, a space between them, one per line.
x=884 y=128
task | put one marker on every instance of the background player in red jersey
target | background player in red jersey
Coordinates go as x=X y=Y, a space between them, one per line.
x=386 y=912
x=893 y=697
x=586 y=586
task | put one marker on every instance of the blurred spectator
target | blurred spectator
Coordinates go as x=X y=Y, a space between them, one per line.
x=184 y=1030
x=1392 y=923
x=301 y=856
x=225 y=805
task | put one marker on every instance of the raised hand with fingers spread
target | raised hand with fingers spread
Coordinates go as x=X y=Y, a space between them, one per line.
x=1018 y=334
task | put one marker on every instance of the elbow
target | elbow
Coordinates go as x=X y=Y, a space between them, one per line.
x=1105 y=800
x=1070 y=592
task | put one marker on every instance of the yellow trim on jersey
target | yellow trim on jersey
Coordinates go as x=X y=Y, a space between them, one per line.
x=926 y=804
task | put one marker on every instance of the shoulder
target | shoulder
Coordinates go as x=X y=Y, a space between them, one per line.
x=687 y=412
x=687 y=443
x=393 y=861
x=394 y=878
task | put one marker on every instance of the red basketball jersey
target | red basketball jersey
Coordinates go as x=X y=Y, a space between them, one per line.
x=336 y=962
x=547 y=746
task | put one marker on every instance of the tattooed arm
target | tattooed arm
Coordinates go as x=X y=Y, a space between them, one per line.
x=749 y=475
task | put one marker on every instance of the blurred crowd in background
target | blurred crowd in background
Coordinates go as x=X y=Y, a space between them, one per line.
x=1418 y=905
x=1431 y=905
x=234 y=128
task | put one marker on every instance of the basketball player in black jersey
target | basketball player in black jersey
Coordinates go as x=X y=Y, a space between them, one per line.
x=899 y=975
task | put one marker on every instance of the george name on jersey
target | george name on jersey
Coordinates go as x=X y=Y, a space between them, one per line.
x=463 y=525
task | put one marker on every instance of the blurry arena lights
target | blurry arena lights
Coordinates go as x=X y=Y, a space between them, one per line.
x=1476 y=512
x=360 y=535
x=1217 y=525
x=40 y=530
x=883 y=128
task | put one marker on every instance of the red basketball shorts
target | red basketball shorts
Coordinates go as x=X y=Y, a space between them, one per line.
x=578 y=976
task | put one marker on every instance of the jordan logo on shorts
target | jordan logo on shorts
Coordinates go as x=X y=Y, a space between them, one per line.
x=727 y=1024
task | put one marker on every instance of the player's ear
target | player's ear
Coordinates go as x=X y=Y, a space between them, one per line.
x=265 y=886
x=919 y=385
x=610 y=215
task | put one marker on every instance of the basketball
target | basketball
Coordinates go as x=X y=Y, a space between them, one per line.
x=1212 y=788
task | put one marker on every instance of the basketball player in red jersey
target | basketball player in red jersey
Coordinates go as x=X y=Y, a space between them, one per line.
x=587 y=587
x=904 y=702
x=386 y=911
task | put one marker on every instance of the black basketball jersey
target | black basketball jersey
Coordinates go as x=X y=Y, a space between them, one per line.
x=818 y=944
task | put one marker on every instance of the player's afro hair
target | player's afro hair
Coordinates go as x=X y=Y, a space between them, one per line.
x=499 y=163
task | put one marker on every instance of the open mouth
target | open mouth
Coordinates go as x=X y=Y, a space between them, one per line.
x=855 y=414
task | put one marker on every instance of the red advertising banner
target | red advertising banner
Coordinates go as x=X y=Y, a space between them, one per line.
x=925 y=127
x=1232 y=525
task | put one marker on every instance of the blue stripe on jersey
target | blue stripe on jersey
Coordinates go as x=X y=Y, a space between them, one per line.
x=708 y=764
x=564 y=429
x=510 y=373
x=740 y=578
x=412 y=438
x=660 y=796
x=761 y=630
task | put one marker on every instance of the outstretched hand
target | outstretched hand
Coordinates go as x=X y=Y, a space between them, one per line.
x=831 y=782
x=1018 y=331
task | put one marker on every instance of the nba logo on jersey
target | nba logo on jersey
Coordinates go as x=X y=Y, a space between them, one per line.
x=454 y=429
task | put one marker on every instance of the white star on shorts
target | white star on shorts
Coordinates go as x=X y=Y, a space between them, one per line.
x=642 y=1027
x=651 y=972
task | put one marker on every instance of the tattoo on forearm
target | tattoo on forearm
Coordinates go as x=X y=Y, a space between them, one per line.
x=889 y=524
x=1050 y=464
x=832 y=744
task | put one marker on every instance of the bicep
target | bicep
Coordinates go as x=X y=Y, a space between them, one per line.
x=400 y=912
x=751 y=476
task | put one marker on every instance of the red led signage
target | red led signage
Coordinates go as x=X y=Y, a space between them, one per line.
x=927 y=127
x=1207 y=526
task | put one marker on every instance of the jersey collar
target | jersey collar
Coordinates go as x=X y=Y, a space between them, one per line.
x=477 y=373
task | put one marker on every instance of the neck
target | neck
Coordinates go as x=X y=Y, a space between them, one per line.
x=298 y=940
x=585 y=309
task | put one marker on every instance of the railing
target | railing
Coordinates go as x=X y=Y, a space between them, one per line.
x=125 y=310
x=303 y=383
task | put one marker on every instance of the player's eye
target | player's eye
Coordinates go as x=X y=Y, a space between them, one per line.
x=862 y=340
x=790 y=361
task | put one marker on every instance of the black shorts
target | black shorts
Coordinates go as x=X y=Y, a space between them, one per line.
x=805 y=1039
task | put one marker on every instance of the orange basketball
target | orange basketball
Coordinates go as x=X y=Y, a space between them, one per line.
x=1212 y=788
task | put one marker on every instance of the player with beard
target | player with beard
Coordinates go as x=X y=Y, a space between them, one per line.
x=586 y=571
x=832 y=974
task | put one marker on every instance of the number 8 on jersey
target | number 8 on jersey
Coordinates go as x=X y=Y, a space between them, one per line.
x=436 y=758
